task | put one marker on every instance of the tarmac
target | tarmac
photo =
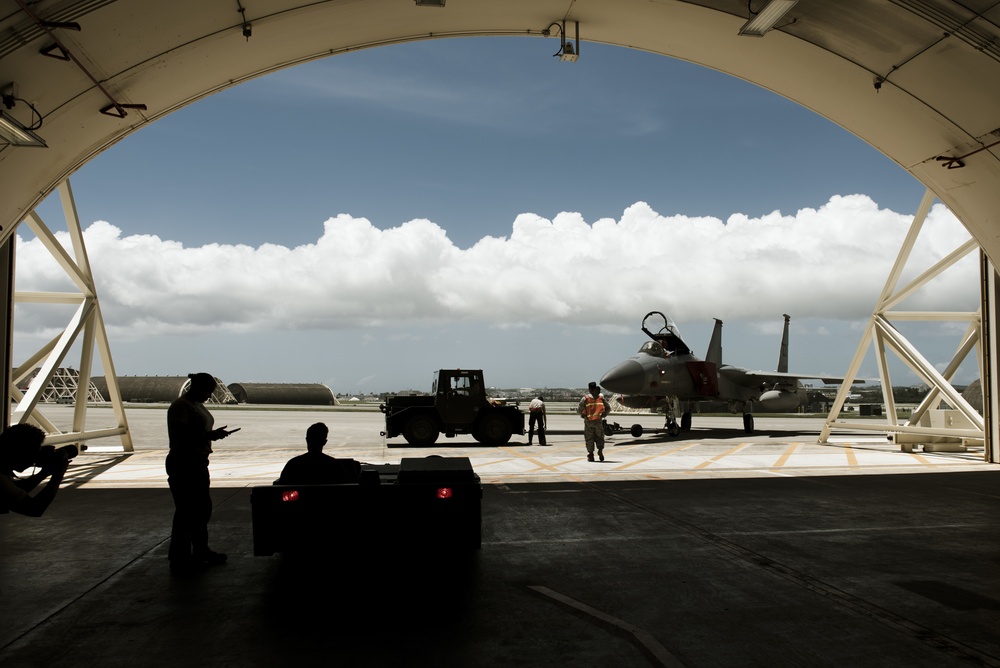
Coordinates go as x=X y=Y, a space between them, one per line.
x=714 y=548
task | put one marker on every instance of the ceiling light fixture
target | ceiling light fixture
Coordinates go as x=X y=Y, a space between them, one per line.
x=12 y=130
x=14 y=133
x=765 y=19
x=430 y=3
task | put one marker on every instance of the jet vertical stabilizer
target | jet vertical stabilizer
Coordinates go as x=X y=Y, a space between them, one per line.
x=783 y=352
x=714 y=354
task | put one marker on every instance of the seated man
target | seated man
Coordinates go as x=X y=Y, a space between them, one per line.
x=315 y=468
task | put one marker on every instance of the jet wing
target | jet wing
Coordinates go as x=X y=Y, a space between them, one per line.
x=753 y=378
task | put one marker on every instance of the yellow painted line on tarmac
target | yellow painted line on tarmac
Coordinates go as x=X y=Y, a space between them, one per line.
x=718 y=458
x=539 y=466
x=488 y=462
x=656 y=456
x=852 y=459
x=783 y=459
x=923 y=460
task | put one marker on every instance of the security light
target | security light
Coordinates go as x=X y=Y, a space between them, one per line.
x=567 y=51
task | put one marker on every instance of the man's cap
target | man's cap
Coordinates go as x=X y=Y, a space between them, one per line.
x=593 y=386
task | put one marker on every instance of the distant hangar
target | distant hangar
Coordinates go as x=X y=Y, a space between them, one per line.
x=158 y=389
x=296 y=394
x=164 y=389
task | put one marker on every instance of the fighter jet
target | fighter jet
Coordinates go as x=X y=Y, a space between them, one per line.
x=665 y=373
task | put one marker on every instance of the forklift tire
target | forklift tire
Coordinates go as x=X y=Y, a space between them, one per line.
x=421 y=431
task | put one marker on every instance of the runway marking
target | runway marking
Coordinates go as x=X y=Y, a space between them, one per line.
x=783 y=459
x=923 y=460
x=657 y=651
x=852 y=458
x=539 y=466
x=718 y=458
x=487 y=462
x=656 y=456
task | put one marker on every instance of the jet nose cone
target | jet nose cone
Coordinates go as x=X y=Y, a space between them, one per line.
x=626 y=378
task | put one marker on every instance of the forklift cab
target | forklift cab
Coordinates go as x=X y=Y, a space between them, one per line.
x=459 y=394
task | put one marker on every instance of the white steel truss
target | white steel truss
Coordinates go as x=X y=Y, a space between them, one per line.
x=63 y=386
x=86 y=320
x=883 y=334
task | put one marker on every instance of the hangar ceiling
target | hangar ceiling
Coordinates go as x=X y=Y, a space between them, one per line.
x=914 y=78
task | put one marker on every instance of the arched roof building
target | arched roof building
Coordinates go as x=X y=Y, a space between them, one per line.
x=297 y=394
x=158 y=389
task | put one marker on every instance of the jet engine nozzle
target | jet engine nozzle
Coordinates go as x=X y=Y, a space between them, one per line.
x=627 y=378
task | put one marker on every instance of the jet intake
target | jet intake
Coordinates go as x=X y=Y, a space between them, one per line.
x=639 y=401
x=780 y=401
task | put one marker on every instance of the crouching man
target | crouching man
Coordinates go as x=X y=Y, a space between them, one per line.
x=21 y=448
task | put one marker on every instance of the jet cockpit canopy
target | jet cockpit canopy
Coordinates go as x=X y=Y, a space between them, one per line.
x=653 y=348
x=669 y=337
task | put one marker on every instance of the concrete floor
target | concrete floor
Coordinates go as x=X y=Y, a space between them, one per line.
x=882 y=565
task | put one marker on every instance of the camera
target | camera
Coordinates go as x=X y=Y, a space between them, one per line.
x=50 y=455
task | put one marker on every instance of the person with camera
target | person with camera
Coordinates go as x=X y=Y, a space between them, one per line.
x=191 y=430
x=21 y=448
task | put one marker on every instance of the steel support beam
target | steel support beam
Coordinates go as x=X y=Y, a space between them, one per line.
x=883 y=334
x=6 y=325
x=989 y=356
x=86 y=325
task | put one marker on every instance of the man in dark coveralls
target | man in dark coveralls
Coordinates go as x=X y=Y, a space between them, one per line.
x=316 y=468
x=190 y=430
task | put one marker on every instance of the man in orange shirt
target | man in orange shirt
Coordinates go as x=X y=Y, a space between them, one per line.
x=593 y=408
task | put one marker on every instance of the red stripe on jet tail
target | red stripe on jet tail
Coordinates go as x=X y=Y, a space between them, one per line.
x=705 y=378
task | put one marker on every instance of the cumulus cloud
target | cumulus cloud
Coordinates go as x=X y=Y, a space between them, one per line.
x=829 y=262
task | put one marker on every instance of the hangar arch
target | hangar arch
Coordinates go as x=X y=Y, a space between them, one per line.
x=911 y=77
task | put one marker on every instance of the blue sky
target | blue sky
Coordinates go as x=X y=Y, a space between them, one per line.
x=364 y=219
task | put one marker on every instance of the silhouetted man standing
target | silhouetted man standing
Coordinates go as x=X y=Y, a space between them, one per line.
x=190 y=430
